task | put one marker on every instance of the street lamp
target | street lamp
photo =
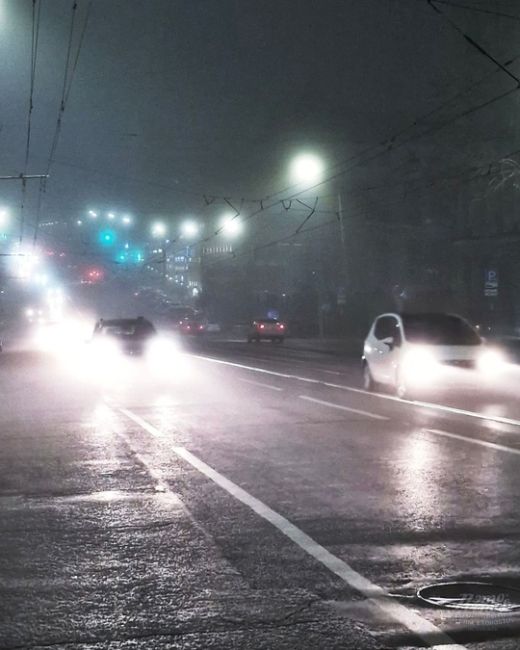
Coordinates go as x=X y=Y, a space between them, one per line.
x=230 y=225
x=189 y=228
x=158 y=229
x=111 y=215
x=4 y=217
x=306 y=168
x=92 y=214
x=127 y=219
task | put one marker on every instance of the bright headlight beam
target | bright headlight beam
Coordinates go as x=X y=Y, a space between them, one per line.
x=491 y=362
x=419 y=364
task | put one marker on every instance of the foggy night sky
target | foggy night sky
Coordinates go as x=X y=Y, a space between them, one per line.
x=215 y=96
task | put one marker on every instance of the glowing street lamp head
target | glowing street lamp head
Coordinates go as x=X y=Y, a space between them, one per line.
x=158 y=229
x=306 y=168
x=231 y=226
x=4 y=217
x=111 y=215
x=93 y=214
x=127 y=219
x=189 y=228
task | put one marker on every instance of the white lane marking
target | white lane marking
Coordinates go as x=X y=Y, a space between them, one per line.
x=259 y=383
x=160 y=485
x=366 y=414
x=376 y=595
x=329 y=372
x=429 y=405
x=474 y=441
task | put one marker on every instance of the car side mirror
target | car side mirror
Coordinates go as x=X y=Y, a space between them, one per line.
x=390 y=342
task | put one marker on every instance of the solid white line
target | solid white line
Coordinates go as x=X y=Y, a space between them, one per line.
x=366 y=414
x=259 y=383
x=474 y=441
x=376 y=596
x=160 y=485
x=429 y=405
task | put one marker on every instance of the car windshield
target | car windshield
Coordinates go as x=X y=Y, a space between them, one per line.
x=126 y=329
x=439 y=329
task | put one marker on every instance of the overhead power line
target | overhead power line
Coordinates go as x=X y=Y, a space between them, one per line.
x=68 y=78
x=490 y=12
x=472 y=41
x=464 y=177
x=35 y=32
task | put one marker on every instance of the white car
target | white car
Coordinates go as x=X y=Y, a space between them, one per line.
x=409 y=351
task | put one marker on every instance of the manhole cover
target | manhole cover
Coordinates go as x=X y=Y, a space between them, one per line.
x=471 y=595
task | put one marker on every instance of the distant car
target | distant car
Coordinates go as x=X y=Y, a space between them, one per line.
x=266 y=329
x=191 y=327
x=131 y=335
x=409 y=351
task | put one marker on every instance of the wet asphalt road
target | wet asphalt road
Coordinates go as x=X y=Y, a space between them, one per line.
x=250 y=497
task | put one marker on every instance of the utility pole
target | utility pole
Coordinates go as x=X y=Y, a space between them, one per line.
x=164 y=260
x=24 y=178
x=343 y=267
x=343 y=238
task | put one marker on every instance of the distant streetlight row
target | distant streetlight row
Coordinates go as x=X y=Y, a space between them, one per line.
x=304 y=168
x=230 y=226
x=126 y=219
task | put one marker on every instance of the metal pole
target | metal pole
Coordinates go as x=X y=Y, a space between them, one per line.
x=343 y=238
x=164 y=264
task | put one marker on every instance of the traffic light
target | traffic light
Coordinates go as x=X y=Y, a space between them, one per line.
x=107 y=237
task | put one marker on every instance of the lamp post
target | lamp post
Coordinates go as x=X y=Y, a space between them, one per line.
x=309 y=169
x=230 y=226
x=159 y=231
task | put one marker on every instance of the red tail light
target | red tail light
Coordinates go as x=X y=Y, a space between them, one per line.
x=281 y=326
x=262 y=327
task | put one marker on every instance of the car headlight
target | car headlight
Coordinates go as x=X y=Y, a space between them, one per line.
x=160 y=348
x=162 y=355
x=491 y=362
x=419 y=364
x=105 y=349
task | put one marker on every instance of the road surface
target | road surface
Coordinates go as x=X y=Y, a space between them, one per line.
x=250 y=497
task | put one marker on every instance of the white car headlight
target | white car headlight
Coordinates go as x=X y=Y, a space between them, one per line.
x=419 y=364
x=491 y=362
x=162 y=354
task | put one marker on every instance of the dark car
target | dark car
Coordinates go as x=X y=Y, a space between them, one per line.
x=131 y=334
x=266 y=329
x=192 y=327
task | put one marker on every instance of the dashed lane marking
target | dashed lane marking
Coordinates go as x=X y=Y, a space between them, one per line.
x=474 y=441
x=428 y=405
x=259 y=383
x=366 y=414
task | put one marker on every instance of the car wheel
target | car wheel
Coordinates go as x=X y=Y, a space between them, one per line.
x=368 y=381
